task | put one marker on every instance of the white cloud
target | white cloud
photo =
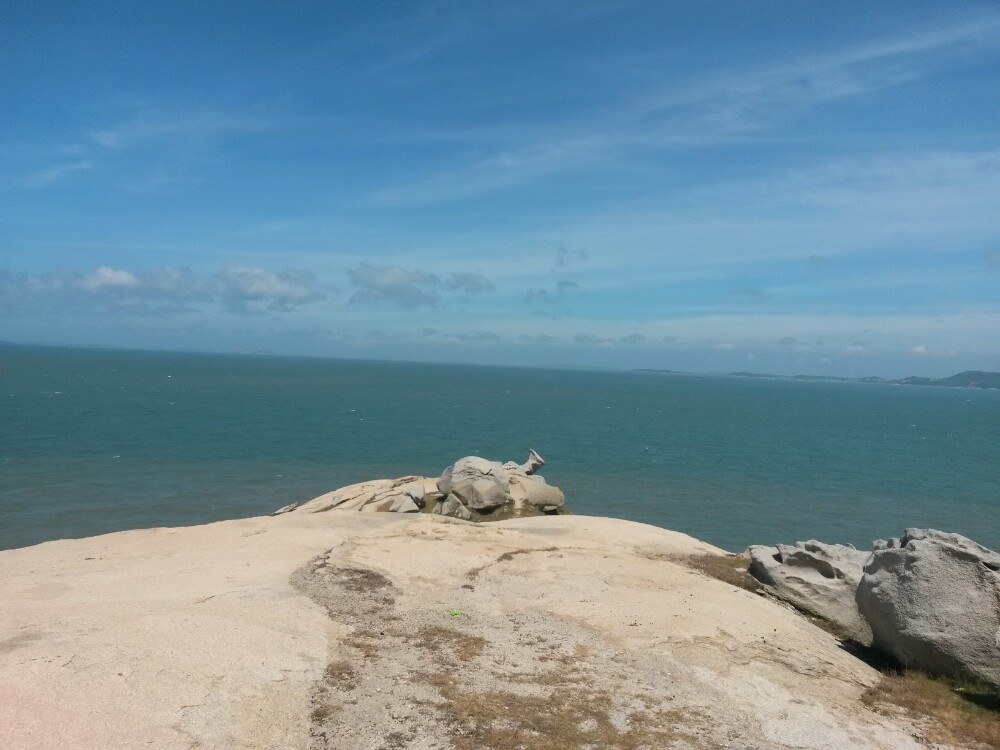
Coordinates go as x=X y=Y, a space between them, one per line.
x=393 y=285
x=163 y=291
x=249 y=289
x=106 y=278
x=920 y=350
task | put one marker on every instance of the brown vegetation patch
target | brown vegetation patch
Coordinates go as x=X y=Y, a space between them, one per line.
x=397 y=740
x=436 y=639
x=568 y=716
x=362 y=581
x=341 y=675
x=731 y=569
x=324 y=711
x=365 y=641
x=957 y=714
x=556 y=707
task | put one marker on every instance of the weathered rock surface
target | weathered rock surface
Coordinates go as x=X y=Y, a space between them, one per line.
x=472 y=489
x=479 y=483
x=529 y=467
x=534 y=491
x=933 y=602
x=451 y=506
x=411 y=630
x=817 y=578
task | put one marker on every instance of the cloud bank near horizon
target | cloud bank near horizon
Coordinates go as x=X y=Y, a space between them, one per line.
x=621 y=184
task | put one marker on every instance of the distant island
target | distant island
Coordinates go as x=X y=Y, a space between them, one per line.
x=967 y=379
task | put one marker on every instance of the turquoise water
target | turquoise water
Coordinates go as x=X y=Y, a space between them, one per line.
x=93 y=441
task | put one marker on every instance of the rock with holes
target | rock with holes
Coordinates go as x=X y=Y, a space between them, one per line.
x=933 y=602
x=480 y=484
x=817 y=578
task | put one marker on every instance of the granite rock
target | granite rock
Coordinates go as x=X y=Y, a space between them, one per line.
x=480 y=484
x=817 y=578
x=933 y=602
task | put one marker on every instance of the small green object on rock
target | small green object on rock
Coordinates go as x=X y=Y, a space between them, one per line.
x=454 y=612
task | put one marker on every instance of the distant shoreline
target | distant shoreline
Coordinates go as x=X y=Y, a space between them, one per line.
x=966 y=379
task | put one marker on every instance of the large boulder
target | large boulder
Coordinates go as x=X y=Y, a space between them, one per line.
x=933 y=602
x=534 y=491
x=480 y=484
x=817 y=578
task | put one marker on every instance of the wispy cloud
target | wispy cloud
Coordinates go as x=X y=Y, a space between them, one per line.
x=470 y=285
x=701 y=112
x=165 y=291
x=56 y=173
x=168 y=142
x=159 y=124
x=409 y=289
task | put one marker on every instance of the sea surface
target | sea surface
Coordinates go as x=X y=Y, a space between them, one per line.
x=93 y=441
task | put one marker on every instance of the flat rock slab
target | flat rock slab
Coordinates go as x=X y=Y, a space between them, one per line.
x=358 y=631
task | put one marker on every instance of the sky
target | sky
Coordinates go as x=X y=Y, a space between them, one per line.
x=784 y=187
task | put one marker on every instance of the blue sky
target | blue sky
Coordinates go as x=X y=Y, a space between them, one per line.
x=712 y=186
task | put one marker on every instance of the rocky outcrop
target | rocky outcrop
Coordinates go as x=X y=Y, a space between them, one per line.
x=471 y=489
x=341 y=633
x=404 y=495
x=817 y=578
x=532 y=491
x=933 y=602
x=479 y=483
x=529 y=467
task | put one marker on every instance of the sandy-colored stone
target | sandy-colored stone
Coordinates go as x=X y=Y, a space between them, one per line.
x=244 y=634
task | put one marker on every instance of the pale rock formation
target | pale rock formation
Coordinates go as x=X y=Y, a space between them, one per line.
x=471 y=489
x=534 y=491
x=529 y=467
x=817 y=578
x=933 y=602
x=453 y=507
x=415 y=630
x=404 y=504
x=479 y=483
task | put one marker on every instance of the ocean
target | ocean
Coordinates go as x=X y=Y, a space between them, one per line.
x=93 y=441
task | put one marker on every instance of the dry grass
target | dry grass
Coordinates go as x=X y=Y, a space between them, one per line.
x=463 y=646
x=363 y=581
x=365 y=641
x=324 y=712
x=731 y=569
x=554 y=708
x=964 y=715
x=341 y=675
x=568 y=717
